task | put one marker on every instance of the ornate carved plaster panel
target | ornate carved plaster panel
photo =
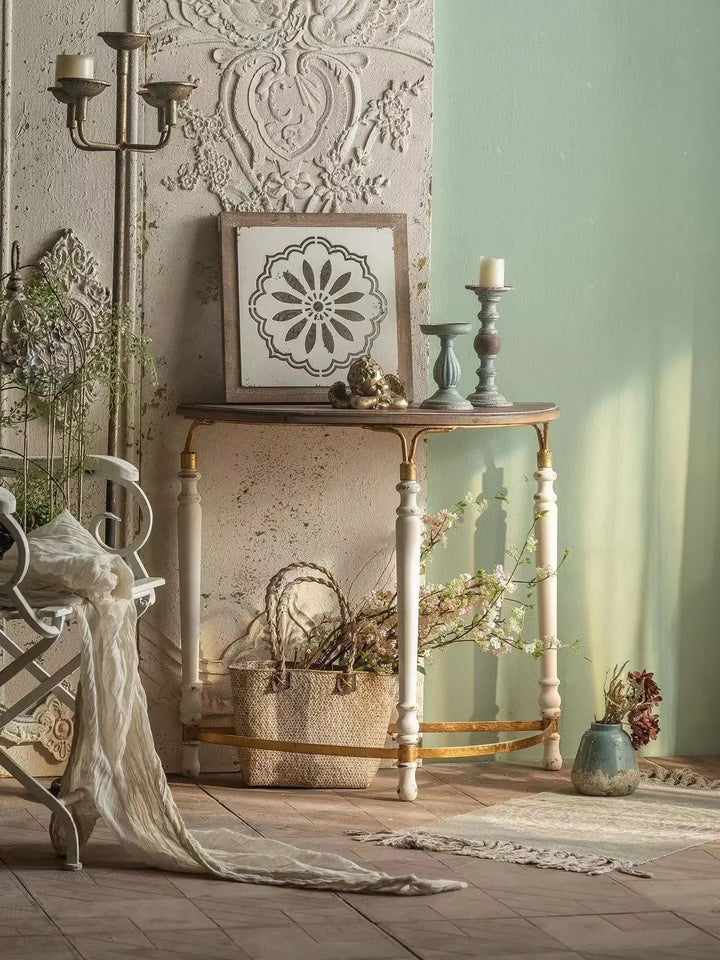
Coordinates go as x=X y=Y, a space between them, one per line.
x=293 y=128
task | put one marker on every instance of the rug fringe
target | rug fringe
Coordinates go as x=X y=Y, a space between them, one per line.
x=679 y=778
x=502 y=850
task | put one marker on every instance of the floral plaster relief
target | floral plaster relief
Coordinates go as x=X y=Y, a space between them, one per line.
x=292 y=128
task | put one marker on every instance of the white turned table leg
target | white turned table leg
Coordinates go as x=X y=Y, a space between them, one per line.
x=189 y=520
x=408 y=536
x=546 y=556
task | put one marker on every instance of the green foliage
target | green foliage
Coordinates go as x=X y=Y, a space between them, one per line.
x=59 y=367
x=35 y=507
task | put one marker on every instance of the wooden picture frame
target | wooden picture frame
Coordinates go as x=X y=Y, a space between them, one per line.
x=351 y=269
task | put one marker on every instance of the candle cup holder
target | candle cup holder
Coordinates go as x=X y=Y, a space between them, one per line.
x=446 y=371
x=164 y=97
x=76 y=87
x=121 y=40
x=78 y=91
x=60 y=95
x=487 y=345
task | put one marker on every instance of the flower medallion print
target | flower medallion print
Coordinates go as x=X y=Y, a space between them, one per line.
x=317 y=306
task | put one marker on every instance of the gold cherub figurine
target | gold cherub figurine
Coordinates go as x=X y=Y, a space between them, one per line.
x=368 y=387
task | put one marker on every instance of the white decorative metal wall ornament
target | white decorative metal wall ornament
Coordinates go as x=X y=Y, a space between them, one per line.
x=41 y=359
x=74 y=269
x=290 y=130
x=41 y=356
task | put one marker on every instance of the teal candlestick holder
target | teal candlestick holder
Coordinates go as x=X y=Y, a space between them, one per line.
x=446 y=371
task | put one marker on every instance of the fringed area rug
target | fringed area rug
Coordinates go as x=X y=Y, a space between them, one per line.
x=567 y=831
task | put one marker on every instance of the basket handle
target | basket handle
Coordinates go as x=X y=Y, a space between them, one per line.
x=277 y=597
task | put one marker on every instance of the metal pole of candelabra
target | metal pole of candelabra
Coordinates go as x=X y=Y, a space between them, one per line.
x=76 y=93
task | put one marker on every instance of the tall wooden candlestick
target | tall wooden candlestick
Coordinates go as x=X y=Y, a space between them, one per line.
x=487 y=345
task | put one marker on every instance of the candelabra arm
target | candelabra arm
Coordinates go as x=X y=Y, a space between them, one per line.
x=149 y=147
x=77 y=134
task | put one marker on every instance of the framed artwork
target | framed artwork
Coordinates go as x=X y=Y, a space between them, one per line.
x=306 y=294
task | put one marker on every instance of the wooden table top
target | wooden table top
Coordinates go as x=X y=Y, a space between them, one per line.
x=308 y=414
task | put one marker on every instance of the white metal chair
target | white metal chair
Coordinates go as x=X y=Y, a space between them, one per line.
x=48 y=623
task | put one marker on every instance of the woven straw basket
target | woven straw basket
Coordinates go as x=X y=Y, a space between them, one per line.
x=309 y=709
x=273 y=700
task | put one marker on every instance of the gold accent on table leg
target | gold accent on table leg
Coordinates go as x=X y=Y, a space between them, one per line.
x=544 y=457
x=408 y=753
x=404 y=753
x=408 y=467
x=188 y=457
x=190 y=733
x=223 y=735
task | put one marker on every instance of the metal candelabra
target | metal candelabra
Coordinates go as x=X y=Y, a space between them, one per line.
x=487 y=346
x=76 y=93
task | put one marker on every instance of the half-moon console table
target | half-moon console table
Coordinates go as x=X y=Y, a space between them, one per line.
x=409 y=426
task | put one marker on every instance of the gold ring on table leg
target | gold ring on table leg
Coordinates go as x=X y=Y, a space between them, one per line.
x=188 y=457
x=544 y=457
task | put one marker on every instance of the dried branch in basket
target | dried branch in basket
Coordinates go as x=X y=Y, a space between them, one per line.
x=474 y=608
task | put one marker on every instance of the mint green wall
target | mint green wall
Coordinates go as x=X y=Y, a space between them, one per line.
x=580 y=139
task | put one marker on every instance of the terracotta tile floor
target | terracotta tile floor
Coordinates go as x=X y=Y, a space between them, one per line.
x=115 y=909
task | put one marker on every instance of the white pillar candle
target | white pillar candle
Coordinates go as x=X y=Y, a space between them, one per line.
x=74 y=65
x=492 y=272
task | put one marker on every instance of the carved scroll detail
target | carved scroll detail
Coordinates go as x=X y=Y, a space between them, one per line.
x=50 y=725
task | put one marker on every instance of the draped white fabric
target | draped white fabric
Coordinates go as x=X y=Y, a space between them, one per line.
x=113 y=758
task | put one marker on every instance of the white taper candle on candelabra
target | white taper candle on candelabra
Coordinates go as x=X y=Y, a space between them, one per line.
x=492 y=272
x=74 y=65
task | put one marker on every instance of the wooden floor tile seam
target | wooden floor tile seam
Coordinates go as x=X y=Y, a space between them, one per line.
x=697 y=926
x=32 y=898
x=230 y=810
x=388 y=933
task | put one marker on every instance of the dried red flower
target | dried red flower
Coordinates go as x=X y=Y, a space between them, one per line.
x=644 y=727
x=632 y=701
x=644 y=682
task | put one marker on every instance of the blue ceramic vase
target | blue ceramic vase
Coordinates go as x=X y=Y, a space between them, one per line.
x=605 y=765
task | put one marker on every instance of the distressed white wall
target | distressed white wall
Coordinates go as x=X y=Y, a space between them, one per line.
x=270 y=495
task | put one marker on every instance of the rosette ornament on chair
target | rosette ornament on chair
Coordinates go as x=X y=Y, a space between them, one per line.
x=292 y=128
